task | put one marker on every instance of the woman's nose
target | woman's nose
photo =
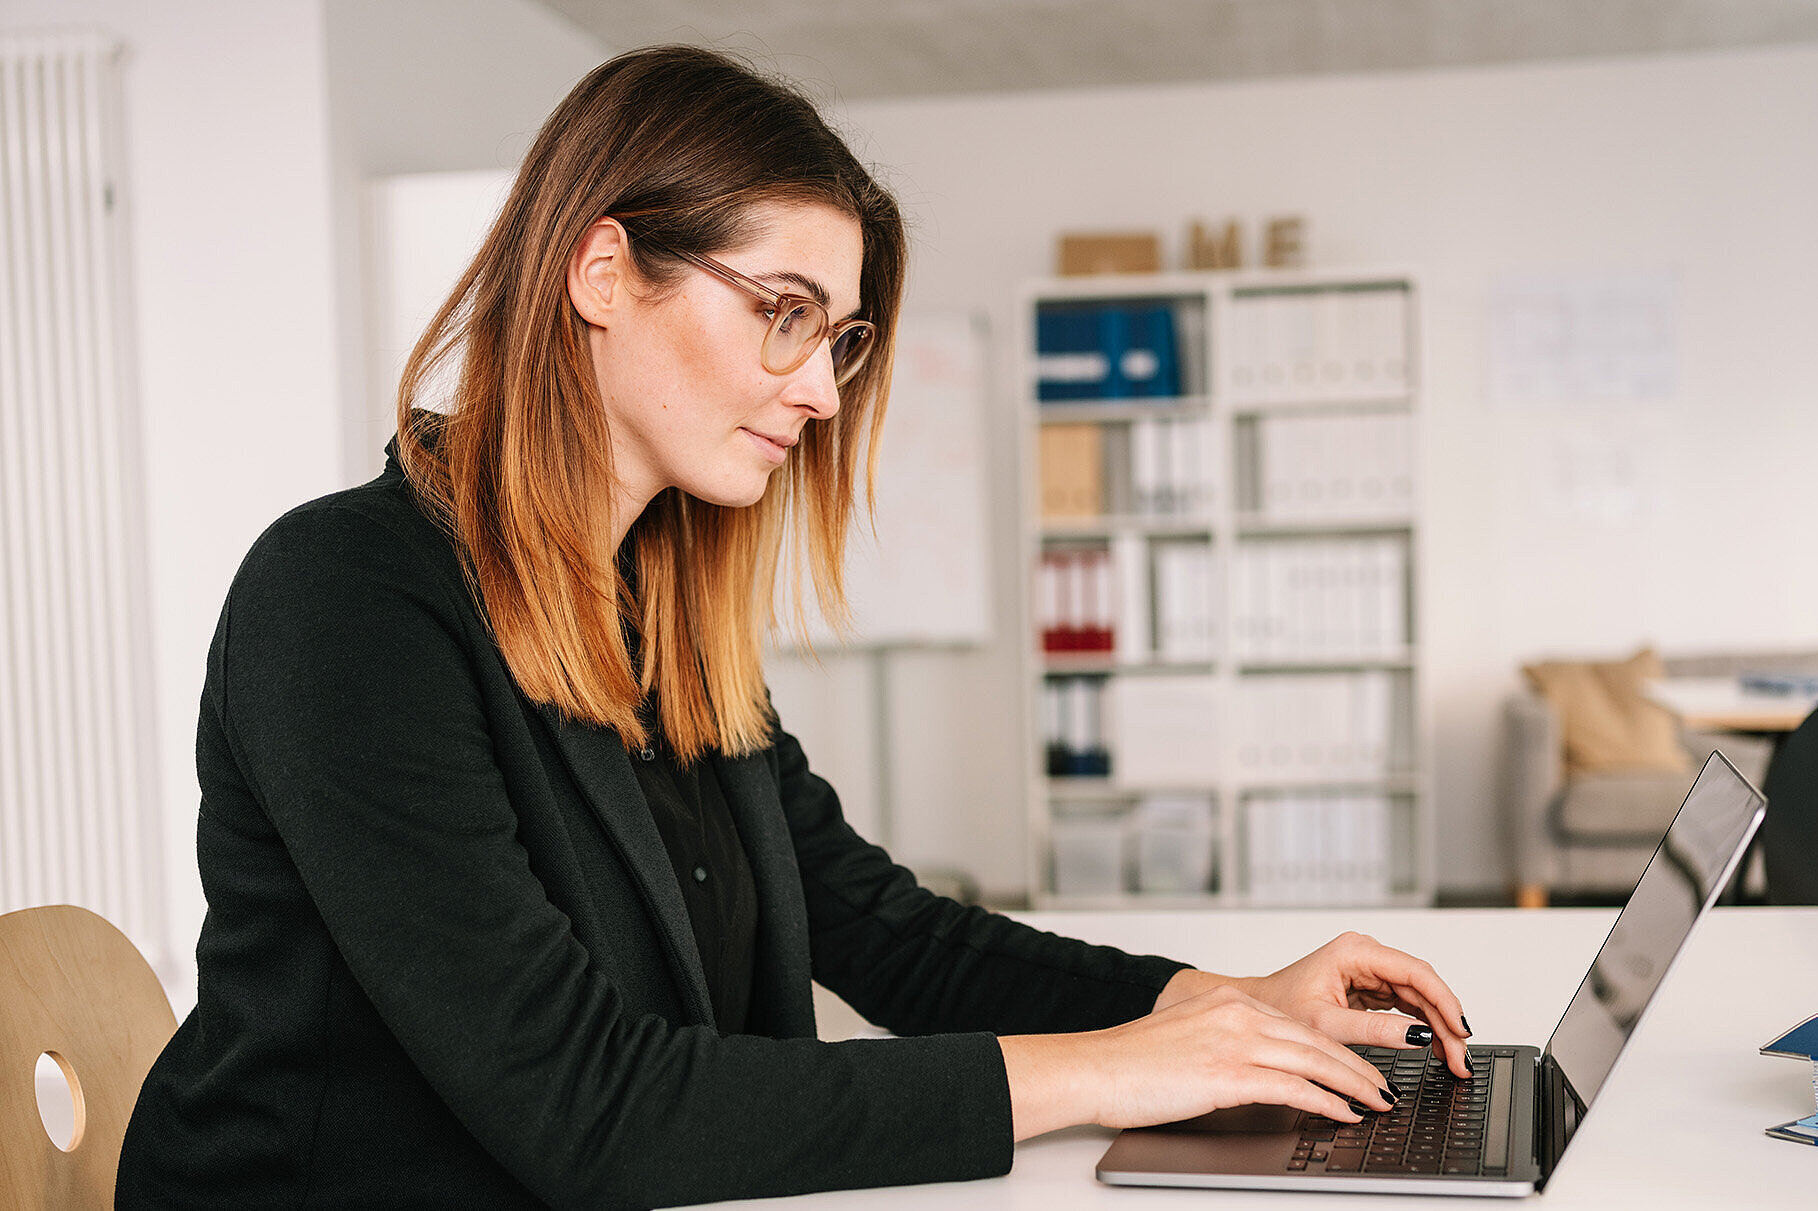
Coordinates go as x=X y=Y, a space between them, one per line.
x=812 y=387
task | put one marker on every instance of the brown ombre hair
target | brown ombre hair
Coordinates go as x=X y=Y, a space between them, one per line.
x=679 y=144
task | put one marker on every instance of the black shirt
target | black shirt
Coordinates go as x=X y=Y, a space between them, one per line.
x=690 y=810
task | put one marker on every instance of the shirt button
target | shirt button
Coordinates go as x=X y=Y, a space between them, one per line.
x=700 y=874
x=648 y=754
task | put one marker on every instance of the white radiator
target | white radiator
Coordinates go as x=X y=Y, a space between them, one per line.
x=79 y=820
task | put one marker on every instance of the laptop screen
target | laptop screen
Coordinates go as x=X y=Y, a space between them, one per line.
x=1688 y=870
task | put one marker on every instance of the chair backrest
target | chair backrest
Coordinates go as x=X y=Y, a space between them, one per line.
x=1789 y=835
x=71 y=985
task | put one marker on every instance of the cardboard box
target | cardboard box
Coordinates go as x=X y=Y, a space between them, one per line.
x=1083 y=253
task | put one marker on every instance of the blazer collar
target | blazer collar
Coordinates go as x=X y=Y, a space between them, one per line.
x=780 y=978
x=781 y=975
x=597 y=760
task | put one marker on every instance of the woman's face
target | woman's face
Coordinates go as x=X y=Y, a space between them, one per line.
x=687 y=398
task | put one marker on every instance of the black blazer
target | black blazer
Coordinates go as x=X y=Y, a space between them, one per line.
x=446 y=963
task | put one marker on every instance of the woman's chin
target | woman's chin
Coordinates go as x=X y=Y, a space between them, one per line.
x=733 y=496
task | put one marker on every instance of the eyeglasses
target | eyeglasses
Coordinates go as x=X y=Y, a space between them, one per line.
x=797 y=323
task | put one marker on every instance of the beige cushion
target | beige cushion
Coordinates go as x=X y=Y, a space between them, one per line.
x=1607 y=724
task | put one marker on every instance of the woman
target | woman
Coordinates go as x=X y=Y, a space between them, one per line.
x=515 y=884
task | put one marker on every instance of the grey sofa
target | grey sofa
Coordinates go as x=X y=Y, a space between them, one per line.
x=1592 y=834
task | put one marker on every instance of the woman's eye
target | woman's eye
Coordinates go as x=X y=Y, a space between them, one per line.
x=796 y=314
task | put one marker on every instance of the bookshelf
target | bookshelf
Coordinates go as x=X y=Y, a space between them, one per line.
x=1225 y=695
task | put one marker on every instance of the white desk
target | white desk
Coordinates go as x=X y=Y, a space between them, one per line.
x=1722 y=704
x=1678 y=1125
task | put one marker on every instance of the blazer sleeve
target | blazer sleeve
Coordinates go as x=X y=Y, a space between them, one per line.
x=916 y=963
x=350 y=702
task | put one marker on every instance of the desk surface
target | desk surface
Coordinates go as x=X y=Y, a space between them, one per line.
x=1679 y=1123
x=1721 y=704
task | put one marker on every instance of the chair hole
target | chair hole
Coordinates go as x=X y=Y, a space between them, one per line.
x=59 y=1101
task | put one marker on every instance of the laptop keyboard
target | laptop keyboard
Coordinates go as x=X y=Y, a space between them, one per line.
x=1442 y=1124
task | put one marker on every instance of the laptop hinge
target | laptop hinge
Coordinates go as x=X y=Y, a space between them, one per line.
x=1556 y=1111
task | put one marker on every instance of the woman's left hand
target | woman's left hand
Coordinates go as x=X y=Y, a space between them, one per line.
x=1333 y=989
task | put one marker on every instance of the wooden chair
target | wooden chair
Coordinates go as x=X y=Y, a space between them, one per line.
x=71 y=985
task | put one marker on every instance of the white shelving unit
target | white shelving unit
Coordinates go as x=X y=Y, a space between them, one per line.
x=1225 y=663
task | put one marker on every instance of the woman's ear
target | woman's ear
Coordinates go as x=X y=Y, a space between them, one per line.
x=598 y=270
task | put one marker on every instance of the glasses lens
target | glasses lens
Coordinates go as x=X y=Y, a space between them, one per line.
x=849 y=350
x=793 y=332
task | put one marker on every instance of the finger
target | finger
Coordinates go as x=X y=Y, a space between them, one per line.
x=1273 y=1087
x=1330 y=1072
x=1335 y=1064
x=1407 y=972
x=1366 y=1029
x=1449 y=1044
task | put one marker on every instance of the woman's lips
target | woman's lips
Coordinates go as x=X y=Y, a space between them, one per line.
x=774 y=449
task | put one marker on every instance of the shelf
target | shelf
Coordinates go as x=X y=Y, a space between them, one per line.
x=1256 y=525
x=1128 y=900
x=1111 y=411
x=1305 y=508
x=1400 y=782
x=1063 y=529
x=1089 y=663
x=1393 y=662
x=1396 y=401
x=1087 y=788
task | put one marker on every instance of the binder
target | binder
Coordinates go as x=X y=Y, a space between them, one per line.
x=1088 y=855
x=1149 y=360
x=1134 y=609
x=1166 y=728
x=1145 y=465
x=1173 y=843
x=1072 y=471
x=1070 y=362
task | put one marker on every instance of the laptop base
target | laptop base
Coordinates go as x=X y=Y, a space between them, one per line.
x=1267 y=1147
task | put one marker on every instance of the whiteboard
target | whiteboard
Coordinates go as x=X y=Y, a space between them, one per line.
x=922 y=581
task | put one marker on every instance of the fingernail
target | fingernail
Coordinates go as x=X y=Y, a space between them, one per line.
x=1420 y=1036
x=1470 y=1067
x=1358 y=1107
x=1466 y=1023
x=1391 y=1095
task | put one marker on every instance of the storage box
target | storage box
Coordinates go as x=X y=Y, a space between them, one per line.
x=1089 y=855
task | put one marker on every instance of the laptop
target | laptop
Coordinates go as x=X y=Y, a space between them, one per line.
x=1502 y=1131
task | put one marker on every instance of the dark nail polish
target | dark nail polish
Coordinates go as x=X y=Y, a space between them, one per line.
x=1420 y=1036
x=1466 y=1022
x=1391 y=1095
x=1470 y=1067
x=1358 y=1107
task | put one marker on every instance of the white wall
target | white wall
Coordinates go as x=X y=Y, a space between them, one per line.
x=427 y=86
x=1702 y=167
x=227 y=143
x=242 y=160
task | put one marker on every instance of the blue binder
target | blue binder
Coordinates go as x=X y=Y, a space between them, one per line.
x=1070 y=362
x=1107 y=349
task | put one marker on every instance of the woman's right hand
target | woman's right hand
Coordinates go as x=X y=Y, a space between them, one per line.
x=1219 y=1049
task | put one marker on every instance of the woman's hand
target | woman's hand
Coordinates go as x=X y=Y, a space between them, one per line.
x=1199 y=1053
x=1332 y=989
